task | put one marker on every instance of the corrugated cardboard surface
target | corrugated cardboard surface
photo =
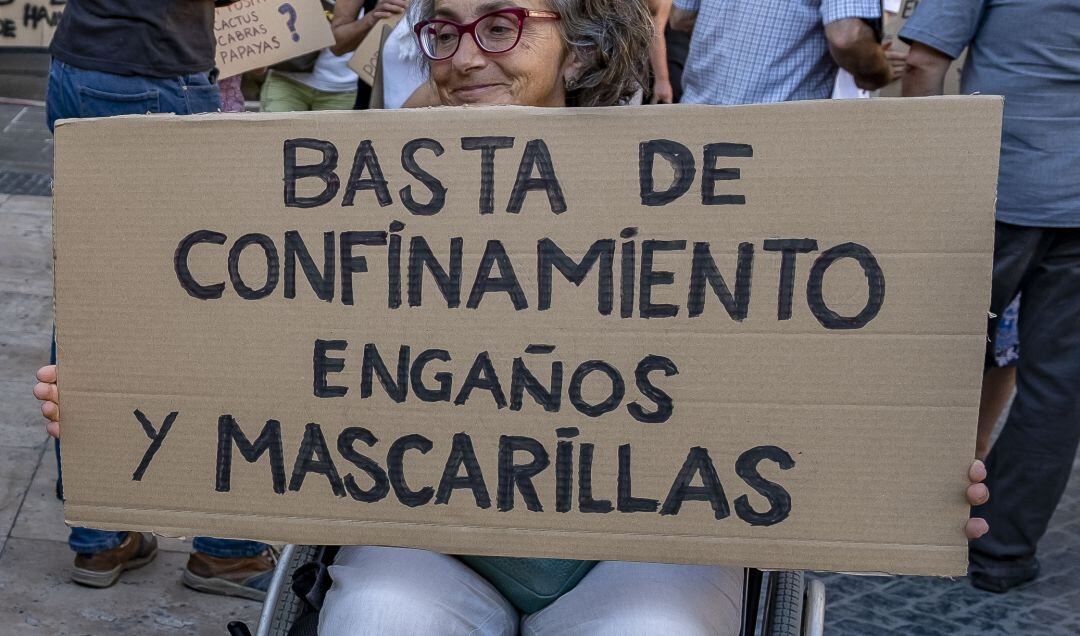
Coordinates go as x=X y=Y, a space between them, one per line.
x=252 y=34
x=879 y=420
x=365 y=59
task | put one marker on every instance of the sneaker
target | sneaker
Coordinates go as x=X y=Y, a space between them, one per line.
x=246 y=577
x=104 y=568
x=1001 y=584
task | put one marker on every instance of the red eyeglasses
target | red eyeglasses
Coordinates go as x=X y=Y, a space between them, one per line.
x=495 y=32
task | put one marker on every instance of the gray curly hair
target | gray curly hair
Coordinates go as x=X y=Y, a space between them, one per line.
x=610 y=37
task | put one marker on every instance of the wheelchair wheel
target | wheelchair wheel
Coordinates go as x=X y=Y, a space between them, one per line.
x=784 y=611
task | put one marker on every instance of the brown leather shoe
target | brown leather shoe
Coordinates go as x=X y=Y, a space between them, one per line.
x=246 y=577
x=104 y=568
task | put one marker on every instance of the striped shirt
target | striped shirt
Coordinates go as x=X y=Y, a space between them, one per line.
x=756 y=51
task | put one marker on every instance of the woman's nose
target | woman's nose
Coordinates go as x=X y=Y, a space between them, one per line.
x=469 y=54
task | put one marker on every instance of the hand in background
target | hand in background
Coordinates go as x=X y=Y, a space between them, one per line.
x=897 y=61
x=387 y=9
x=662 y=92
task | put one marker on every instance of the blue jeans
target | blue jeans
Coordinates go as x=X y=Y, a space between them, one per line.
x=75 y=92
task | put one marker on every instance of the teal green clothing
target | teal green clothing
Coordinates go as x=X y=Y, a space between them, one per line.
x=530 y=584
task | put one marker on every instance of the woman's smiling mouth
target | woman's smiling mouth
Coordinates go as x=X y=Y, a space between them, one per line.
x=473 y=91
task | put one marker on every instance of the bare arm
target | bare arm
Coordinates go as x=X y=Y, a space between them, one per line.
x=350 y=29
x=662 y=91
x=855 y=48
x=682 y=20
x=926 y=69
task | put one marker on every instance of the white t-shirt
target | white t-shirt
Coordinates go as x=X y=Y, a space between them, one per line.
x=845 y=87
x=330 y=75
x=403 y=72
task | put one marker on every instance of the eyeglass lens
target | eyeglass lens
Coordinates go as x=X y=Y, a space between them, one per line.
x=496 y=33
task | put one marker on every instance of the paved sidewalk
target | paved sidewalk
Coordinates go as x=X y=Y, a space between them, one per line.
x=1049 y=606
x=36 y=594
x=25 y=150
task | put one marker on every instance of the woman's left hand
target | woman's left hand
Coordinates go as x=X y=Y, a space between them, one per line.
x=977 y=494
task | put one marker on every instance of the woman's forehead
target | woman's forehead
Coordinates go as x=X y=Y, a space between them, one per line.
x=470 y=9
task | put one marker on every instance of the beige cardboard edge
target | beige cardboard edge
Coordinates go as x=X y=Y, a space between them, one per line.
x=377 y=100
x=619 y=111
x=943 y=561
x=927 y=559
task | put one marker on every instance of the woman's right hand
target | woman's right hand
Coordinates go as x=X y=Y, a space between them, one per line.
x=45 y=390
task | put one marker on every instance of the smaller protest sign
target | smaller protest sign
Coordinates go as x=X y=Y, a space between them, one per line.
x=365 y=60
x=378 y=93
x=29 y=23
x=256 y=33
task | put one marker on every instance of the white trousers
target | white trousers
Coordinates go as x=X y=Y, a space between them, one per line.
x=405 y=592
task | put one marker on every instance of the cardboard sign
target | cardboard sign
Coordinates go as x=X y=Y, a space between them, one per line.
x=29 y=23
x=256 y=33
x=685 y=334
x=894 y=21
x=365 y=60
x=378 y=93
x=249 y=34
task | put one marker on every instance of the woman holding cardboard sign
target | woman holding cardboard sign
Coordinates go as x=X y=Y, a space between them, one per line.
x=552 y=53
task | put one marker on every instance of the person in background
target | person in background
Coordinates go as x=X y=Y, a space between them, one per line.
x=232 y=98
x=758 y=51
x=352 y=23
x=845 y=87
x=122 y=57
x=1030 y=53
x=330 y=84
x=363 y=89
x=677 y=44
x=402 y=72
x=662 y=91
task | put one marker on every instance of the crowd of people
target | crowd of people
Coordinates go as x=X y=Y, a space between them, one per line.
x=126 y=56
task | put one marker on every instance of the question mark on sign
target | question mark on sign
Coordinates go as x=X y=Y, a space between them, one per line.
x=287 y=9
